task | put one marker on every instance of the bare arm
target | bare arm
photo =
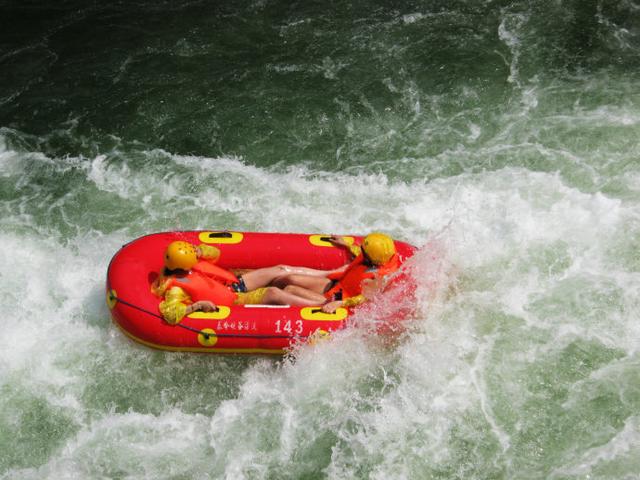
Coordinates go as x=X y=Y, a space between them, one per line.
x=354 y=250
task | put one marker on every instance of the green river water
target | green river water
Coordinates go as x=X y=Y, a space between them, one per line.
x=501 y=137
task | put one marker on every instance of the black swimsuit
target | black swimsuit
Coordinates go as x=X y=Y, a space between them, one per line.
x=239 y=286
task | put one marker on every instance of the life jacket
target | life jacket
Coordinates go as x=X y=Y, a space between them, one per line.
x=206 y=281
x=349 y=281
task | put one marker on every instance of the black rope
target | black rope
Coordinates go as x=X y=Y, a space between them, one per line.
x=206 y=335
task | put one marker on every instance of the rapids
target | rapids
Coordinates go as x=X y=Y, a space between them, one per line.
x=499 y=136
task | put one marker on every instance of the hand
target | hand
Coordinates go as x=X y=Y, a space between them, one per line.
x=202 y=306
x=337 y=240
x=331 y=307
x=372 y=286
x=206 y=306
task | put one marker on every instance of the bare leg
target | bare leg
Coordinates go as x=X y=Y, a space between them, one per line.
x=303 y=292
x=264 y=276
x=309 y=282
x=276 y=296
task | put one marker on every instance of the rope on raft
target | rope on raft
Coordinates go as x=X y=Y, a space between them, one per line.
x=206 y=335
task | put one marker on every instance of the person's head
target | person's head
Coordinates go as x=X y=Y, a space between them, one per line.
x=180 y=256
x=378 y=248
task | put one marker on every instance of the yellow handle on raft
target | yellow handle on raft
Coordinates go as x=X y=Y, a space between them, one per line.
x=316 y=313
x=220 y=314
x=112 y=299
x=322 y=240
x=221 y=237
x=208 y=340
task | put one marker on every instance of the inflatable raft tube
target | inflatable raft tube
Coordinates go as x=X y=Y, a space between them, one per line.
x=247 y=329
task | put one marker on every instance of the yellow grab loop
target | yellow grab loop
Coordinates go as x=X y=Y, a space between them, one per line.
x=222 y=313
x=316 y=313
x=322 y=240
x=112 y=299
x=221 y=237
x=208 y=340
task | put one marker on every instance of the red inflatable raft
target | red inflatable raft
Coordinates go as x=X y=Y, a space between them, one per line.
x=237 y=329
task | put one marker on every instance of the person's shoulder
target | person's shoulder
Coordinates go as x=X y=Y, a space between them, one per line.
x=355 y=250
x=209 y=252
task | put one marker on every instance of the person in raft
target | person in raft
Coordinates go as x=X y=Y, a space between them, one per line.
x=349 y=285
x=192 y=282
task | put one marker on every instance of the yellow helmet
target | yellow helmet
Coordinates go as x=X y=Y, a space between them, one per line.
x=378 y=247
x=180 y=255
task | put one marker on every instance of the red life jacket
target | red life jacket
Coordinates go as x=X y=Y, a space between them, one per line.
x=207 y=281
x=349 y=281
